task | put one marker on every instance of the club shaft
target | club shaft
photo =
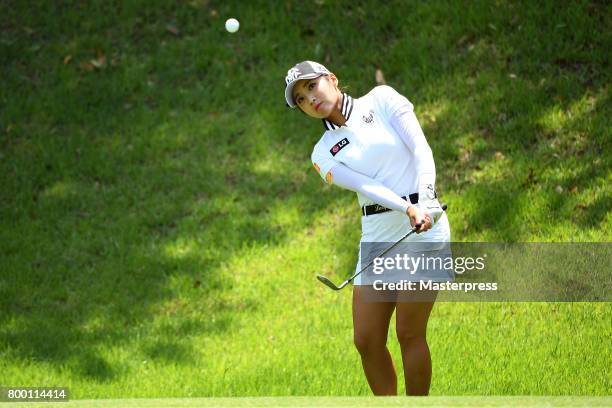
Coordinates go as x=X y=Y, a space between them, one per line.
x=381 y=254
x=333 y=286
x=412 y=231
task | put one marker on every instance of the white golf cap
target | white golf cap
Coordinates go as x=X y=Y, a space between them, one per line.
x=303 y=70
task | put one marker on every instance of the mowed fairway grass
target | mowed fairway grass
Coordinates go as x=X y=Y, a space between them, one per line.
x=161 y=224
x=332 y=402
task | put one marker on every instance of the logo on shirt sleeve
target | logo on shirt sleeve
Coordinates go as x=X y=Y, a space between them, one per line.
x=339 y=146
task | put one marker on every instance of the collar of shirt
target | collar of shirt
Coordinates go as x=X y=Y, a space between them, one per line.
x=347 y=109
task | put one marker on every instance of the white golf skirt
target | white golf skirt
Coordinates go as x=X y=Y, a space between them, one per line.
x=391 y=226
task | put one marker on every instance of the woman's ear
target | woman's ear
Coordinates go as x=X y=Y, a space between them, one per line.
x=334 y=80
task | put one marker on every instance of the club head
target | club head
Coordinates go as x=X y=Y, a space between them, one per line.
x=343 y=284
x=329 y=283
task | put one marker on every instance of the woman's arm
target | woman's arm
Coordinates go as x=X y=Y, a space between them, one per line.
x=349 y=179
x=405 y=123
x=407 y=126
x=377 y=192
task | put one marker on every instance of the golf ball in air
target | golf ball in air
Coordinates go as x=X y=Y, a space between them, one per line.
x=232 y=25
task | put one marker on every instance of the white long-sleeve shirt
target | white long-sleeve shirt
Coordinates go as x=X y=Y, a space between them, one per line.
x=381 y=153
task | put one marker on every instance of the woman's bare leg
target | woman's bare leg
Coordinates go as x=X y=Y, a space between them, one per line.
x=411 y=327
x=370 y=329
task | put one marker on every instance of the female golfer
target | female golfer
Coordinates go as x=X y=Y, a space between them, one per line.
x=374 y=146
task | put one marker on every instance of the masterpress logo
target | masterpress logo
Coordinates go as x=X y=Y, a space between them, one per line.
x=422 y=285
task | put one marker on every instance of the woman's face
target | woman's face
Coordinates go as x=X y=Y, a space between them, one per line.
x=317 y=97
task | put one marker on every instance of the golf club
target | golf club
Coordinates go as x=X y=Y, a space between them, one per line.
x=331 y=285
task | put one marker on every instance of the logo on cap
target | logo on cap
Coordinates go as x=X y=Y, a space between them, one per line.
x=292 y=75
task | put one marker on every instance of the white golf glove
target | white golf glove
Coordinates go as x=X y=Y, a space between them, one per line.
x=433 y=208
x=428 y=201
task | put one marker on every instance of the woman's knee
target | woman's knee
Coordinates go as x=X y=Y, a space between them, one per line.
x=407 y=334
x=367 y=342
x=411 y=323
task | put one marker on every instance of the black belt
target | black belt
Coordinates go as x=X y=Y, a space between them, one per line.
x=377 y=208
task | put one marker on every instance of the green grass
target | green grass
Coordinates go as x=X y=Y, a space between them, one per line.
x=328 y=402
x=161 y=224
